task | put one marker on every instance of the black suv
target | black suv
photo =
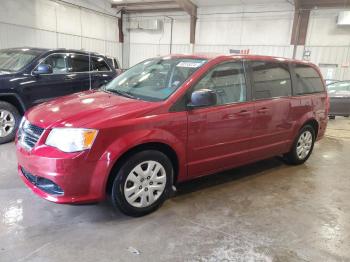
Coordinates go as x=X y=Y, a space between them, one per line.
x=29 y=76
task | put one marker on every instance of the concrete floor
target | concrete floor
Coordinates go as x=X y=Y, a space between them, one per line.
x=267 y=211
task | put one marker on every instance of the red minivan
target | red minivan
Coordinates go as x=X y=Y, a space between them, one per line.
x=167 y=120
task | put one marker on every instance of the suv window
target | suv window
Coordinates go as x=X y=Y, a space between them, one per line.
x=227 y=81
x=271 y=80
x=99 y=64
x=308 y=80
x=58 y=62
x=79 y=63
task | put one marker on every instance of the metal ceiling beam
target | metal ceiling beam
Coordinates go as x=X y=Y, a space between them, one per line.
x=302 y=16
x=191 y=9
x=142 y=4
x=153 y=10
x=163 y=7
x=188 y=7
x=310 y=4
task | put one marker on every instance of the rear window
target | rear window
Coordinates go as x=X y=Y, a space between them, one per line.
x=79 y=63
x=308 y=80
x=99 y=64
x=270 y=80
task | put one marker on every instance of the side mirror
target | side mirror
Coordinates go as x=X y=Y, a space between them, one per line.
x=203 y=97
x=43 y=69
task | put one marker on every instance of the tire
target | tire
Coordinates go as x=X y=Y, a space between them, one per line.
x=346 y=116
x=9 y=122
x=332 y=117
x=295 y=158
x=139 y=192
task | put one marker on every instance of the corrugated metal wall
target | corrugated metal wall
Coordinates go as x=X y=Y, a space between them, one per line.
x=43 y=23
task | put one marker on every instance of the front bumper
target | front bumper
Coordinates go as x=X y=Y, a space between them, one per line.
x=80 y=180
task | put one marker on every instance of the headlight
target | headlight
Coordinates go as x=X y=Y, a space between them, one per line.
x=71 y=139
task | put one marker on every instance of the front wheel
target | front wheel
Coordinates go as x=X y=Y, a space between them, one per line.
x=302 y=146
x=9 y=121
x=143 y=183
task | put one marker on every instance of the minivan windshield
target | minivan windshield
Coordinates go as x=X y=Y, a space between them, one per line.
x=13 y=60
x=154 y=79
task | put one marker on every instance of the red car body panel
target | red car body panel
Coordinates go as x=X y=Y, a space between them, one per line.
x=249 y=131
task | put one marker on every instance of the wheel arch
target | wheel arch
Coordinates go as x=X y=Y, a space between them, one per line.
x=159 y=146
x=315 y=125
x=14 y=100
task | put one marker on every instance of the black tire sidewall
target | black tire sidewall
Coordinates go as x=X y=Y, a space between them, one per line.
x=13 y=110
x=117 y=193
x=295 y=159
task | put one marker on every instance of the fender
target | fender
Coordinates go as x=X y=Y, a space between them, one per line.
x=309 y=116
x=18 y=99
x=139 y=137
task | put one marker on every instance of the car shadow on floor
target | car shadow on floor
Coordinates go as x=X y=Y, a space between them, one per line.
x=108 y=213
x=244 y=172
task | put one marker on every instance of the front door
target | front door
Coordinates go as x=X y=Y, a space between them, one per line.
x=219 y=135
x=44 y=87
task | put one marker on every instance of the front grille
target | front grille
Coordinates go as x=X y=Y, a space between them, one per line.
x=44 y=184
x=28 y=135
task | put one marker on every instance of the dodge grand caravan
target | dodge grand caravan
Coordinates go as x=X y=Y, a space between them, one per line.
x=167 y=120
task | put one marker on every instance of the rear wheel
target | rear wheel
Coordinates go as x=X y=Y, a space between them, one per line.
x=9 y=121
x=143 y=183
x=331 y=117
x=302 y=146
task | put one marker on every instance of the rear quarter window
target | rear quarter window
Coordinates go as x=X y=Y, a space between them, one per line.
x=308 y=81
x=270 y=79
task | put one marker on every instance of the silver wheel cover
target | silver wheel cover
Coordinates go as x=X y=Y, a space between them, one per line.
x=304 y=145
x=145 y=184
x=7 y=123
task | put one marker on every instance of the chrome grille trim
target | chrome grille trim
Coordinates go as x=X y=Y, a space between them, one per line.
x=29 y=134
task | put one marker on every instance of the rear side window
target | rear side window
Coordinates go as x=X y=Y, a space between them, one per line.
x=79 y=63
x=270 y=79
x=308 y=81
x=99 y=64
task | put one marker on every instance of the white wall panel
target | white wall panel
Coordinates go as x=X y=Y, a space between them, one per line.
x=49 y=24
x=93 y=45
x=93 y=25
x=69 y=41
x=68 y=20
x=114 y=50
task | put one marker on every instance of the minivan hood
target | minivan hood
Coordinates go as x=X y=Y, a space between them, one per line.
x=81 y=109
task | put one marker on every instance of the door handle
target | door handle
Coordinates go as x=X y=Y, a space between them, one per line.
x=243 y=113
x=263 y=110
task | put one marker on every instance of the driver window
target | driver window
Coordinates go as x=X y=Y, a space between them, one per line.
x=227 y=81
x=58 y=63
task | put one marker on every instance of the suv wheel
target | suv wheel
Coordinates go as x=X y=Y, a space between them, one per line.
x=302 y=146
x=143 y=183
x=9 y=121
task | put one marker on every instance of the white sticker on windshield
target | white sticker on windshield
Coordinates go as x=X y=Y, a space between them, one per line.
x=189 y=64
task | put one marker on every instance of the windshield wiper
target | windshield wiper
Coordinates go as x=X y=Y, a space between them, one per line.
x=122 y=93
